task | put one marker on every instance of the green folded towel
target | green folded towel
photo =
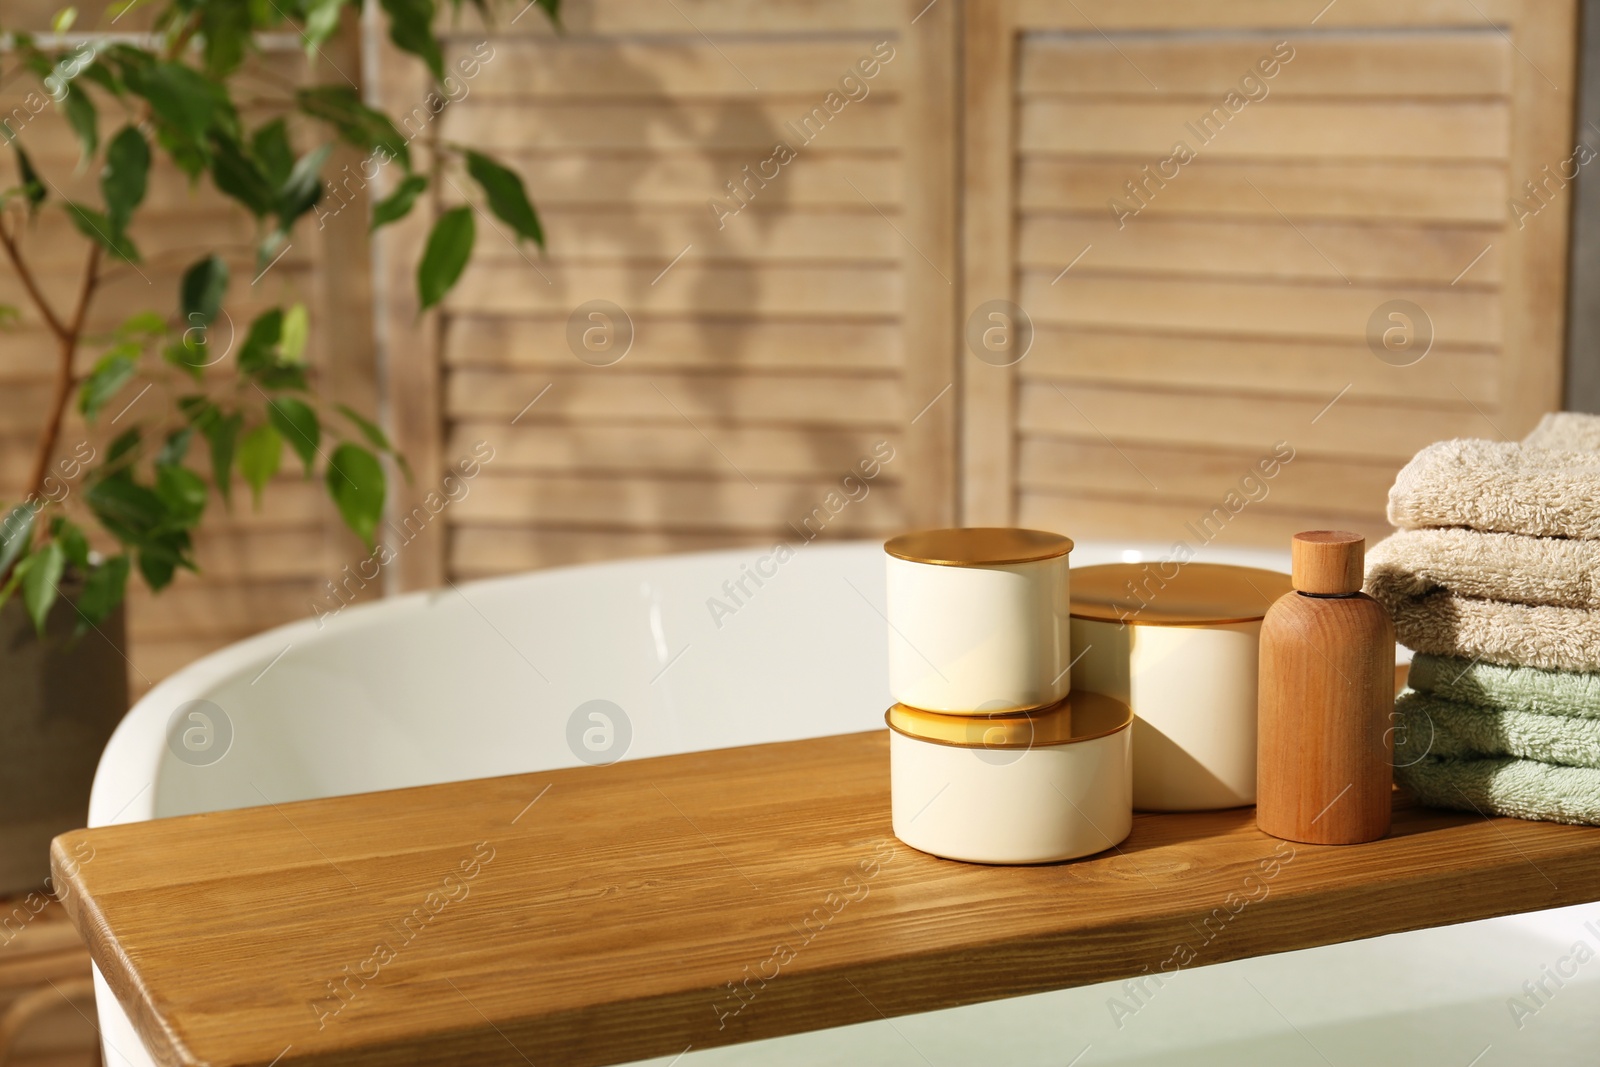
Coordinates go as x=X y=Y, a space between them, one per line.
x=1491 y=685
x=1428 y=726
x=1523 y=789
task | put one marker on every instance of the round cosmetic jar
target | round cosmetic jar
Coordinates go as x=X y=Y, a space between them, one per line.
x=978 y=619
x=1023 y=787
x=1178 y=642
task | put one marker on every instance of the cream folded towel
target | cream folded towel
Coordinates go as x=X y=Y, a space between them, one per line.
x=1559 y=571
x=1490 y=485
x=1557 y=639
x=1567 y=430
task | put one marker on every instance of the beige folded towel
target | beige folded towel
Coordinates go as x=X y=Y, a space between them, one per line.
x=1442 y=624
x=1505 y=487
x=1558 y=571
x=1568 y=430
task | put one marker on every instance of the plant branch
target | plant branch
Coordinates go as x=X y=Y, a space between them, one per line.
x=31 y=284
x=67 y=349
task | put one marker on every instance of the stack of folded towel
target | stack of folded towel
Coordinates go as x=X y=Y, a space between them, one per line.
x=1494 y=581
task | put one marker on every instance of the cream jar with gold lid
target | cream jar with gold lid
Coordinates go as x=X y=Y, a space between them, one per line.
x=978 y=619
x=1022 y=787
x=1179 y=642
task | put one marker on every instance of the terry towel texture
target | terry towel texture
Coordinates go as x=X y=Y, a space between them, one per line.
x=1524 y=789
x=1499 y=486
x=1430 y=727
x=1561 y=639
x=1558 y=571
x=1489 y=685
x=1568 y=430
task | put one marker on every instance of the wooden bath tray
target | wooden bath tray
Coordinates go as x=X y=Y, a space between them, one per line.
x=599 y=915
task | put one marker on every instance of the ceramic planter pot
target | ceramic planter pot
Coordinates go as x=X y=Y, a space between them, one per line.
x=978 y=619
x=1014 y=788
x=62 y=697
x=1179 y=644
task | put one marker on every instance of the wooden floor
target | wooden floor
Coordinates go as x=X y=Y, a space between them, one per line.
x=46 y=1003
x=599 y=915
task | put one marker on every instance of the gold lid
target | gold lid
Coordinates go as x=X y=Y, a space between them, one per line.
x=977 y=546
x=1173 y=594
x=1081 y=717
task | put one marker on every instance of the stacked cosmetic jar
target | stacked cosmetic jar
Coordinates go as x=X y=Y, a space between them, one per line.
x=993 y=758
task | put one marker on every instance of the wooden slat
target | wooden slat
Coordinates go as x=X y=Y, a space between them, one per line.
x=676 y=399
x=988 y=392
x=752 y=127
x=682 y=343
x=1347 y=428
x=687 y=69
x=1093 y=465
x=525 y=949
x=1252 y=365
x=690 y=18
x=1093 y=16
x=699 y=503
x=1472 y=192
x=155 y=659
x=931 y=322
x=1138 y=518
x=482 y=551
x=1401 y=254
x=667 y=449
x=1287 y=129
x=692 y=178
x=1334 y=311
x=190 y=607
x=267 y=555
x=692 y=286
x=1459 y=63
x=771 y=233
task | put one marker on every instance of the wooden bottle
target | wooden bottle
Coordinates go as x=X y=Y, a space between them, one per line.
x=1324 y=751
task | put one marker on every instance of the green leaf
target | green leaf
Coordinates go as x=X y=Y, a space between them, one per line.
x=200 y=293
x=271 y=149
x=110 y=373
x=185 y=103
x=397 y=205
x=102 y=75
x=260 y=453
x=445 y=257
x=123 y=445
x=237 y=175
x=62 y=21
x=375 y=436
x=176 y=447
x=292 y=340
x=123 y=179
x=411 y=29
x=356 y=484
x=130 y=512
x=222 y=434
x=103 y=590
x=72 y=541
x=184 y=494
x=82 y=117
x=507 y=198
x=225 y=26
x=321 y=20
x=32 y=188
x=16 y=530
x=298 y=424
x=99 y=229
x=42 y=583
x=302 y=188
x=142 y=326
x=340 y=107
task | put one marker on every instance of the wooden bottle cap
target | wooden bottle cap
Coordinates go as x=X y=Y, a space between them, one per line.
x=1327 y=562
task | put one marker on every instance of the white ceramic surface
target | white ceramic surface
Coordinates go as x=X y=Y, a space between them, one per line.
x=989 y=638
x=482 y=681
x=996 y=805
x=1193 y=692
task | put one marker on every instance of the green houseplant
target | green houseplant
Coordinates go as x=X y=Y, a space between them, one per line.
x=182 y=90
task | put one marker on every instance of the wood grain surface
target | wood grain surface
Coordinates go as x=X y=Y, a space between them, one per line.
x=597 y=915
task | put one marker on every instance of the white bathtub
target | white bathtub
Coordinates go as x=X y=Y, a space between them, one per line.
x=483 y=679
